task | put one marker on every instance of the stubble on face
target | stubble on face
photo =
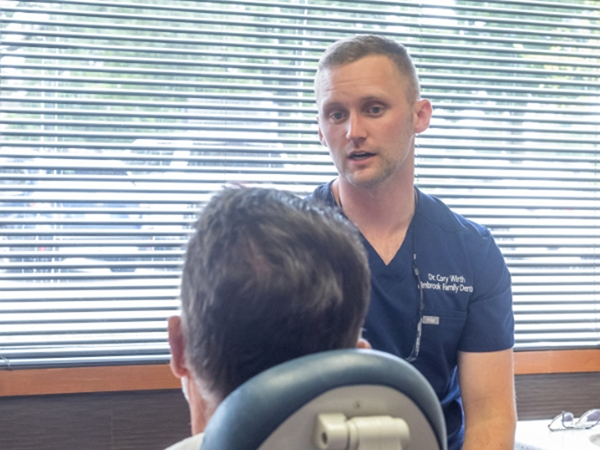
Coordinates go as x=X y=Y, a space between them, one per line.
x=389 y=138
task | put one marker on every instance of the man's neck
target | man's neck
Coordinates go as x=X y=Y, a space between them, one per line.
x=382 y=214
x=203 y=403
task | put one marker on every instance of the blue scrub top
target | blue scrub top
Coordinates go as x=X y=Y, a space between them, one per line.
x=467 y=298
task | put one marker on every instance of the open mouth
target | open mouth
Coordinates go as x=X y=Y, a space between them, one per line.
x=360 y=155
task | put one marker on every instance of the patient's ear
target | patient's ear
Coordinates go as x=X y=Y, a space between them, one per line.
x=363 y=343
x=177 y=344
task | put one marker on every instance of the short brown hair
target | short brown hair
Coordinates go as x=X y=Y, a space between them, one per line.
x=354 y=48
x=269 y=277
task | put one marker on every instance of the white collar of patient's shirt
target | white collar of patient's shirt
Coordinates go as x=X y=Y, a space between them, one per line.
x=191 y=443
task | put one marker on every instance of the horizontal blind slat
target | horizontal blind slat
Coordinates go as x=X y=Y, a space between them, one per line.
x=303 y=18
x=313 y=37
x=340 y=8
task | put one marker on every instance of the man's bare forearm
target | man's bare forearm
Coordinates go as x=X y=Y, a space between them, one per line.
x=495 y=433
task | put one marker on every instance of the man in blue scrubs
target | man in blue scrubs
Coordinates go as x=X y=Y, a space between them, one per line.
x=441 y=295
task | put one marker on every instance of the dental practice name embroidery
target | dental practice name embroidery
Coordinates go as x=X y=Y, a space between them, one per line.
x=451 y=283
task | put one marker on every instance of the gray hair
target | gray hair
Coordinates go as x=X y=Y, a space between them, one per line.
x=269 y=277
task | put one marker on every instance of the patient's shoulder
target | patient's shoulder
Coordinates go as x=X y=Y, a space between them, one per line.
x=191 y=443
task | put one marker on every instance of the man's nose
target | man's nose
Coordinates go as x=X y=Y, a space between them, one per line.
x=355 y=127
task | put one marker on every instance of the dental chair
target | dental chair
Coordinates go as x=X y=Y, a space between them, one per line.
x=337 y=400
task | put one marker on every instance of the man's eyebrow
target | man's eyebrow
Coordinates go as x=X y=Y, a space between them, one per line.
x=372 y=98
x=369 y=98
x=331 y=104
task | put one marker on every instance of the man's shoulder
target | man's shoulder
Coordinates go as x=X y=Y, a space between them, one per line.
x=436 y=213
x=322 y=194
x=191 y=443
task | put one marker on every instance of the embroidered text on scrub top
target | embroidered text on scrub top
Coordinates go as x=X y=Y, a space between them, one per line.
x=451 y=283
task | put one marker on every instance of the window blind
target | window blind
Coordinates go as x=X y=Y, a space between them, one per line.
x=119 y=119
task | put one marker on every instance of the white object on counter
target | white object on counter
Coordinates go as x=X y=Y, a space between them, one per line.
x=535 y=435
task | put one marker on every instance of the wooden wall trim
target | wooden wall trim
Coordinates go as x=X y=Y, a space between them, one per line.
x=86 y=379
x=159 y=377
x=557 y=361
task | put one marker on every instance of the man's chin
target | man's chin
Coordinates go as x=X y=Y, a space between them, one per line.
x=364 y=181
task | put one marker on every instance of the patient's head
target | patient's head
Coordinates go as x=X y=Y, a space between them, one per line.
x=268 y=277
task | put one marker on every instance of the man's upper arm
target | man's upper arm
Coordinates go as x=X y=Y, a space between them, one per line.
x=490 y=322
x=487 y=390
x=485 y=358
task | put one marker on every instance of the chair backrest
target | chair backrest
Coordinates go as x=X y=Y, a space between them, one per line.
x=319 y=400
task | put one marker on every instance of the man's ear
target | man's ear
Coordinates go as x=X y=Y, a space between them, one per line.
x=321 y=137
x=423 y=111
x=363 y=343
x=177 y=344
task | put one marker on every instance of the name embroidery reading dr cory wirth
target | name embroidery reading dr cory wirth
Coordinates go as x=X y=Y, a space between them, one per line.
x=452 y=283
